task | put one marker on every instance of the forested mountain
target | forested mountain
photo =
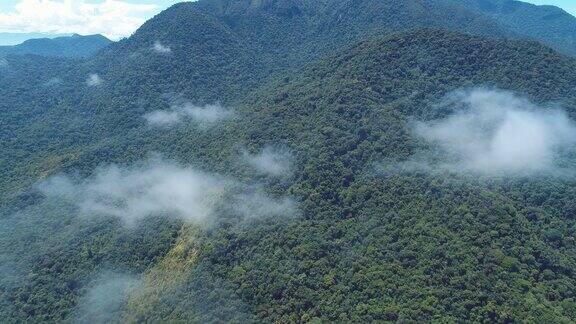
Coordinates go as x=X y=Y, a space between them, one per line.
x=66 y=46
x=547 y=24
x=205 y=51
x=284 y=161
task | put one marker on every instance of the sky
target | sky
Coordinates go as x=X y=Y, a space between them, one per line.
x=568 y=5
x=115 y=19
x=112 y=18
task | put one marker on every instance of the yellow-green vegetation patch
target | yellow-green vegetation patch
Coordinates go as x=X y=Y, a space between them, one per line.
x=167 y=275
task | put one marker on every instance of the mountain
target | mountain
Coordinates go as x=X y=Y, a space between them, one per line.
x=11 y=39
x=547 y=24
x=66 y=46
x=310 y=109
x=231 y=51
x=396 y=247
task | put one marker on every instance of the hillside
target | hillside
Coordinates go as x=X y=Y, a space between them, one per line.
x=212 y=52
x=291 y=33
x=358 y=246
x=66 y=46
x=404 y=247
x=267 y=161
x=547 y=24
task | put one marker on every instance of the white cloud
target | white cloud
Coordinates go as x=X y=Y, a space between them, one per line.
x=208 y=114
x=112 y=18
x=500 y=132
x=105 y=297
x=255 y=203
x=204 y=116
x=159 y=48
x=93 y=80
x=163 y=117
x=162 y=188
x=270 y=161
x=154 y=188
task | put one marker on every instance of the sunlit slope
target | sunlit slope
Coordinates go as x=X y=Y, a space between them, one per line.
x=396 y=246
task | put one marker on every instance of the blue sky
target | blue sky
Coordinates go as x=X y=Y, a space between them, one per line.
x=112 y=18
x=568 y=5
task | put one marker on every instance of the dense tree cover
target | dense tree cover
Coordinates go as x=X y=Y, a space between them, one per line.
x=67 y=46
x=220 y=51
x=49 y=258
x=400 y=247
x=547 y=24
x=367 y=245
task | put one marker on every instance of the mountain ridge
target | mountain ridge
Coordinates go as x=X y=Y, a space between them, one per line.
x=74 y=46
x=547 y=24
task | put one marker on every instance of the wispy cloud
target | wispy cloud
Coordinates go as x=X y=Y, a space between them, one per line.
x=204 y=116
x=156 y=187
x=112 y=18
x=271 y=161
x=93 y=80
x=495 y=131
x=255 y=203
x=163 y=189
x=53 y=82
x=106 y=297
x=160 y=48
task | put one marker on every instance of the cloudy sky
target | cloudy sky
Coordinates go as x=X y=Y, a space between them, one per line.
x=112 y=18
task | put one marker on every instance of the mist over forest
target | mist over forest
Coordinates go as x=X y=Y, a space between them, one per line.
x=294 y=161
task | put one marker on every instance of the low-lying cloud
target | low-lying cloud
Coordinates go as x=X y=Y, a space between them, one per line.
x=153 y=188
x=160 y=188
x=204 y=116
x=93 y=80
x=106 y=297
x=255 y=203
x=160 y=48
x=10 y=272
x=496 y=131
x=53 y=82
x=271 y=161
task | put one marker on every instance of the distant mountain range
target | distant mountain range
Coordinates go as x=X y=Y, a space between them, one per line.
x=10 y=39
x=65 y=46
